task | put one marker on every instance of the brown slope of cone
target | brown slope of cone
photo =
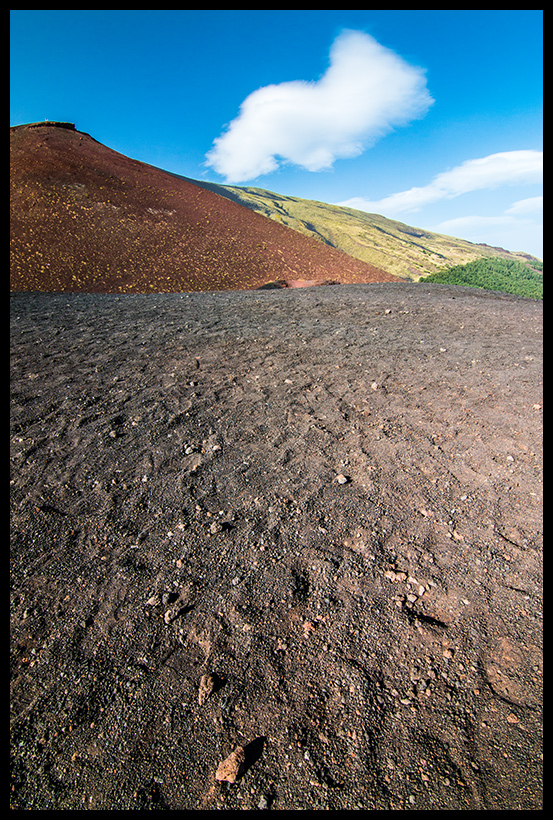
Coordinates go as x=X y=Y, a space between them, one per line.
x=86 y=218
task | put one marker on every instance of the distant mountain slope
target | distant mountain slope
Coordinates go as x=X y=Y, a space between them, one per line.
x=86 y=218
x=407 y=252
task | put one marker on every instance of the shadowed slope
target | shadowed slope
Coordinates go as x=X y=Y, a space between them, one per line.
x=86 y=218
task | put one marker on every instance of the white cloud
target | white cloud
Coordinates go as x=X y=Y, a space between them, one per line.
x=476 y=225
x=493 y=171
x=532 y=205
x=505 y=231
x=365 y=92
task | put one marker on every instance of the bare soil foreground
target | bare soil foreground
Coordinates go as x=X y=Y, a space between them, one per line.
x=302 y=523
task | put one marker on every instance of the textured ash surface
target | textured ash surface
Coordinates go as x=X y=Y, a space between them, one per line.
x=175 y=513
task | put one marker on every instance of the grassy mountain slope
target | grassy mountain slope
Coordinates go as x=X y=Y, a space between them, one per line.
x=408 y=252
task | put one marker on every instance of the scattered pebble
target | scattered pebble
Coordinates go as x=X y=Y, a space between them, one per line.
x=207 y=685
x=342 y=479
x=231 y=768
x=395 y=576
x=173 y=612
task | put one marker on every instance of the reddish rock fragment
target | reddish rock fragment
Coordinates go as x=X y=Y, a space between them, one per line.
x=232 y=767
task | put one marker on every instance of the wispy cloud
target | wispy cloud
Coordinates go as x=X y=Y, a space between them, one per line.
x=493 y=171
x=532 y=205
x=366 y=91
x=514 y=230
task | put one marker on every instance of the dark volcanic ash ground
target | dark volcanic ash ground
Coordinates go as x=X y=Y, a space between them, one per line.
x=305 y=524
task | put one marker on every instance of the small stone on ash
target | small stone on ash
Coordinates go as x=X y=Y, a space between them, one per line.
x=207 y=685
x=231 y=768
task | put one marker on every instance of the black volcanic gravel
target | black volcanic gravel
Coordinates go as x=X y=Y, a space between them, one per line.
x=327 y=503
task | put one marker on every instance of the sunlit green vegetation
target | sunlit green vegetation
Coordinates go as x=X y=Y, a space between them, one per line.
x=506 y=275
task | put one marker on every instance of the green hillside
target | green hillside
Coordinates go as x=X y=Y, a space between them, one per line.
x=408 y=252
x=506 y=275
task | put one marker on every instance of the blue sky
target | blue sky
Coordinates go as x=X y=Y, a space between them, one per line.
x=433 y=118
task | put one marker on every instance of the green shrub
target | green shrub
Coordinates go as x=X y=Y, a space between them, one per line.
x=493 y=273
